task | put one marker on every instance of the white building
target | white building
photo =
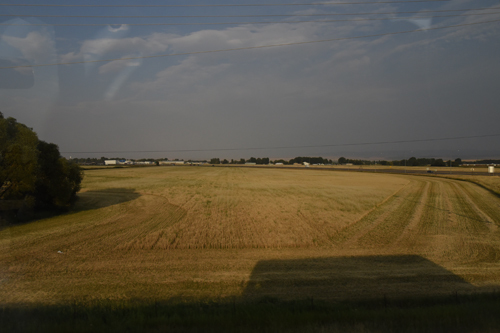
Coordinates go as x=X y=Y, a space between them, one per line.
x=171 y=162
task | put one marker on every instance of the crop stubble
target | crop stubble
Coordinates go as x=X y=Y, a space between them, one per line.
x=198 y=232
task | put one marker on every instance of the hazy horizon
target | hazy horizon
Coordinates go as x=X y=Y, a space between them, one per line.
x=392 y=86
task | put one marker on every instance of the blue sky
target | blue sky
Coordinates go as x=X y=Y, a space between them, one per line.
x=427 y=84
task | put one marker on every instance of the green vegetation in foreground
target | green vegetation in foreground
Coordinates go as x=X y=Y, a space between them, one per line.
x=33 y=174
x=454 y=313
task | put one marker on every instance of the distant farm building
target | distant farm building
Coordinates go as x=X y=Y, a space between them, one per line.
x=110 y=162
x=171 y=162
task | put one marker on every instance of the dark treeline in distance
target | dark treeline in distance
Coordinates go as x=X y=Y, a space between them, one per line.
x=266 y=160
x=412 y=161
x=100 y=160
x=486 y=162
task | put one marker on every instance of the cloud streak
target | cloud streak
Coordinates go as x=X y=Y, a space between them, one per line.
x=381 y=88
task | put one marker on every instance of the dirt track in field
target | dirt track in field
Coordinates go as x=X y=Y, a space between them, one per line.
x=217 y=232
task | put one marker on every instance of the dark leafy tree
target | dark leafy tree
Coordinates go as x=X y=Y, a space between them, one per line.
x=33 y=171
x=18 y=159
x=439 y=162
x=57 y=180
x=412 y=161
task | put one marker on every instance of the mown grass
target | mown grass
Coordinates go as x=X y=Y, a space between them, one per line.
x=452 y=313
x=196 y=233
x=491 y=183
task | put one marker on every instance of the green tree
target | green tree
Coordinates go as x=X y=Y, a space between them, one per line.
x=280 y=161
x=439 y=162
x=33 y=170
x=342 y=160
x=412 y=161
x=57 y=180
x=18 y=159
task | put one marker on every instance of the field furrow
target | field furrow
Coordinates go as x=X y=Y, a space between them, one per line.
x=382 y=226
x=387 y=231
x=204 y=232
x=352 y=232
x=424 y=215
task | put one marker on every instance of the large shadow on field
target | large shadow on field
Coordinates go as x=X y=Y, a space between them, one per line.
x=103 y=198
x=349 y=278
x=84 y=201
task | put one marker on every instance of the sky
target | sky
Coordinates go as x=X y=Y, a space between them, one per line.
x=329 y=89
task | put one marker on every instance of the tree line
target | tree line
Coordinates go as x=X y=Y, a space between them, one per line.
x=100 y=160
x=33 y=174
x=412 y=161
x=266 y=160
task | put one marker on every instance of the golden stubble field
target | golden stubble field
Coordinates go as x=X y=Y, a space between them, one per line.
x=187 y=233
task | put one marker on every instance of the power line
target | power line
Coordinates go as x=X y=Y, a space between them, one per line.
x=227 y=16
x=229 y=5
x=285 y=147
x=253 y=47
x=233 y=23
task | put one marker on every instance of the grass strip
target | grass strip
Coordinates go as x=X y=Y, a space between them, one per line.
x=452 y=313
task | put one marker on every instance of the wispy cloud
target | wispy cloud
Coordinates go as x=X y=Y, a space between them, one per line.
x=118 y=65
x=36 y=46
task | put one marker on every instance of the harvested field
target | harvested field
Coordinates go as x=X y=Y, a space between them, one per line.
x=205 y=233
